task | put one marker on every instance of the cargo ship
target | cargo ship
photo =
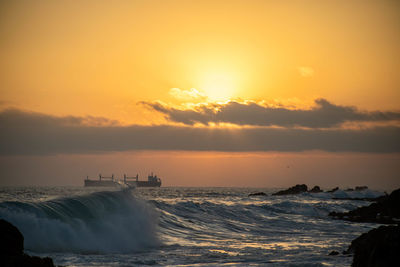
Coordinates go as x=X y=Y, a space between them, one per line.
x=152 y=181
x=103 y=181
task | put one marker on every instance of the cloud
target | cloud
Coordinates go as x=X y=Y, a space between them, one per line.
x=24 y=133
x=306 y=71
x=188 y=95
x=30 y=119
x=323 y=115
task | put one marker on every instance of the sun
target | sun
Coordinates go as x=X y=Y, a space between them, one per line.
x=218 y=86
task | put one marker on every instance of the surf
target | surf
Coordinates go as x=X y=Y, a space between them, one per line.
x=101 y=222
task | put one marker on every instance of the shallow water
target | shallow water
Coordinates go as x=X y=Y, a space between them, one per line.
x=79 y=226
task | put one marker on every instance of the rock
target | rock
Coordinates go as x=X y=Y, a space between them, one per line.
x=12 y=241
x=386 y=210
x=378 y=247
x=297 y=189
x=333 y=190
x=12 y=249
x=361 y=188
x=33 y=261
x=316 y=189
x=370 y=199
x=349 y=190
x=257 y=194
x=333 y=253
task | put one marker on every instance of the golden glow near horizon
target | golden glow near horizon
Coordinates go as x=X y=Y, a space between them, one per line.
x=218 y=86
x=101 y=58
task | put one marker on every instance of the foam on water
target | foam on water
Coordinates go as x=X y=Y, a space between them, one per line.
x=187 y=226
x=102 y=222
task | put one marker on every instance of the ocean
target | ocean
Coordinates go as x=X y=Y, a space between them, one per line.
x=78 y=226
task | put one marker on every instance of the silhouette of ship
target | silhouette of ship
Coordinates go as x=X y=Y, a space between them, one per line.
x=152 y=181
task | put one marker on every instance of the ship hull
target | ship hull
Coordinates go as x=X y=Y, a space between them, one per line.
x=100 y=183
x=144 y=183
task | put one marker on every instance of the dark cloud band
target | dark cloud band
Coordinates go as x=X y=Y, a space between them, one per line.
x=31 y=133
x=323 y=115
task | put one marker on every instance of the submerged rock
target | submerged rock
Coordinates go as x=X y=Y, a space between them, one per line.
x=333 y=253
x=386 y=210
x=257 y=194
x=316 y=189
x=12 y=249
x=297 y=189
x=378 y=247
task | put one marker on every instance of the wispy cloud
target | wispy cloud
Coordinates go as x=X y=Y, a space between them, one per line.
x=23 y=133
x=323 y=115
x=188 y=95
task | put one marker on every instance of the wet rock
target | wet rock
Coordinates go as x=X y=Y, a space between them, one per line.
x=257 y=194
x=316 y=189
x=333 y=253
x=361 y=188
x=385 y=210
x=12 y=249
x=333 y=190
x=297 y=189
x=378 y=247
x=349 y=190
x=371 y=199
x=12 y=241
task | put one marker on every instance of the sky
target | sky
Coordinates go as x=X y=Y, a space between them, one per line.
x=204 y=93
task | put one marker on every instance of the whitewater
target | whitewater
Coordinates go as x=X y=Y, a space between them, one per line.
x=79 y=226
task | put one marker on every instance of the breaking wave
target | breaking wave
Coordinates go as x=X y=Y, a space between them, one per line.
x=101 y=222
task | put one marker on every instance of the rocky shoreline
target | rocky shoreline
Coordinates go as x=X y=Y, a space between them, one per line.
x=12 y=249
x=302 y=188
x=376 y=248
x=386 y=211
x=380 y=246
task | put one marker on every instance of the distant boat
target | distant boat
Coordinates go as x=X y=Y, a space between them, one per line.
x=103 y=181
x=152 y=181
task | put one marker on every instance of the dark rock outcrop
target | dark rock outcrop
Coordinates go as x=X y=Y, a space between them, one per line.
x=361 y=188
x=386 y=210
x=11 y=241
x=334 y=253
x=371 y=199
x=378 y=247
x=257 y=194
x=333 y=190
x=297 y=189
x=358 y=188
x=316 y=189
x=12 y=249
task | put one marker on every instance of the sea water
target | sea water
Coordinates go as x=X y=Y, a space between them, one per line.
x=79 y=226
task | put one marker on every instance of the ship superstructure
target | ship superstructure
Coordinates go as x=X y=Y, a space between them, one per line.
x=152 y=181
x=103 y=181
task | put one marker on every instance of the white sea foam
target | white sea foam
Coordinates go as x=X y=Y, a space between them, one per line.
x=195 y=226
x=96 y=223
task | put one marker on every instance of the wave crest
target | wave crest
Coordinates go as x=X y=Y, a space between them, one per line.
x=102 y=222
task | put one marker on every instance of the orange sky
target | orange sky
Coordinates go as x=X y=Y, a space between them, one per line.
x=100 y=58
x=327 y=64
x=210 y=169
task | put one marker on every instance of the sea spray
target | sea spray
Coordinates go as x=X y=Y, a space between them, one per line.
x=197 y=226
x=101 y=222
